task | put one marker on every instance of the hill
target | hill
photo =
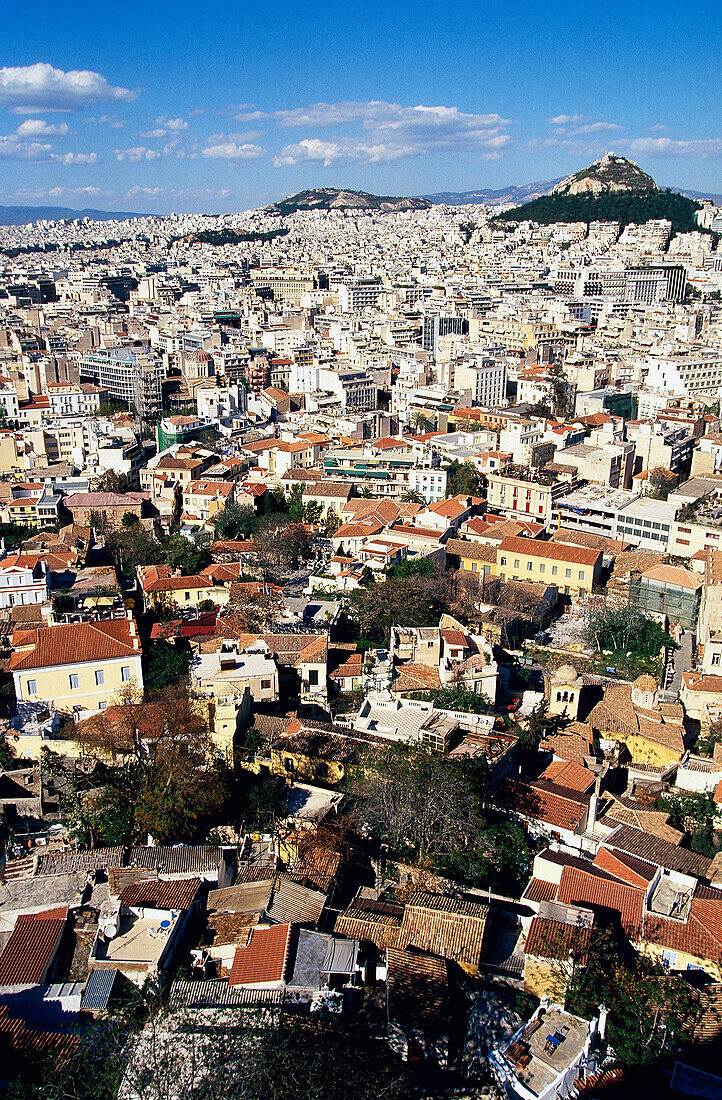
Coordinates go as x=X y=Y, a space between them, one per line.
x=333 y=198
x=490 y=197
x=609 y=206
x=610 y=173
x=23 y=215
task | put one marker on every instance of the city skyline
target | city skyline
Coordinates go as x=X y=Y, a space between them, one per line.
x=218 y=110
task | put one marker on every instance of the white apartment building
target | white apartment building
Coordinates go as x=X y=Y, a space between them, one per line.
x=485 y=379
x=684 y=375
x=75 y=400
x=24 y=579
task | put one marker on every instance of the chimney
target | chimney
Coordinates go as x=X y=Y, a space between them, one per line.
x=594 y=803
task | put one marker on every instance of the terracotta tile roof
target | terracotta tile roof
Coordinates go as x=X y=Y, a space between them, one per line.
x=578 y=887
x=451 y=927
x=71 y=643
x=31 y=948
x=265 y=959
x=22 y=1044
x=371 y=922
x=157 y=894
x=538 y=889
x=554 y=939
x=551 y=551
x=543 y=801
x=660 y=852
x=567 y=774
x=418 y=991
x=416 y=677
x=635 y=872
x=472 y=551
x=177 y=584
x=674 y=575
x=700 y=935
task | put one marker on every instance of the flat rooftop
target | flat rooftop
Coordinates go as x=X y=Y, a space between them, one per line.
x=139 y=939
x=545 y=1066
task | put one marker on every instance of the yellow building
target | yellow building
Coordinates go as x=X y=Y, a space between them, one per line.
x=77 y=668
x=574 y=569
x=653 y=732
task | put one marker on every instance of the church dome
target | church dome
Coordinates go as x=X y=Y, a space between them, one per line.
x=566 y=674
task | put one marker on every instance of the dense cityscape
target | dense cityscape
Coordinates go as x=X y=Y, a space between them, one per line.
x=361 y=627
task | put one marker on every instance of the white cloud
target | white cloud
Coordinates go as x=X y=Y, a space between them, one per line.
x=231 y=150
x=658 y=128
x=108 y=120
x=37 y=127
x=566 y=120
x=596 y=128
x=172 y=192
x=13 y=149
x=136 y=153
x=62 y=192
x=40 y=87
x=76 y=158
x=389 y=131
x=664 y=146
x=166 y=126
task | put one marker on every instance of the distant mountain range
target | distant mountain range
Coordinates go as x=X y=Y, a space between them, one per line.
x=22 y=215
x=500 y=197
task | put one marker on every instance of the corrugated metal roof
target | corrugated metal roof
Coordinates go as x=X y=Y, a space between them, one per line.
x=178 y=860
x=98 y=988
x=295 y=903
x=217 y=993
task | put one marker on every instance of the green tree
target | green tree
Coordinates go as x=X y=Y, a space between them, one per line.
x=463 y=479
x=165 y=663
x=407 y=601
x=129 y=547
x=650 y=1012
x=457 y=698
x=185 y=554
x=235 y=521
x=431 y=809
x=296 y=507
x=129 y=519
x=661 y=483
x=626 y=630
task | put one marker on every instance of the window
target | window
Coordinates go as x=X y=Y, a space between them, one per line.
x=288 y=764
x=187 y=596
x=669 y=959
x=529 y=566
x=99 y=677
x=313 y=677
x=74 y=681
x=567 y=573
x=516 y=563
x=102 y=705
x=542 y=567
x=125 y=673
x=715 y=661
x=265 y=685
x=503 y=561
x=580 y=575
x=554 y=570
x=33 y=687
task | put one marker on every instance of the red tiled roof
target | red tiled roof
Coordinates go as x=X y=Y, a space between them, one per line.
x=565 y=773
x=553 y=939
x=265 y=958
x=579 y=887
x=71 y=643
x=151 y=894
x=31 y=947
x=539 y=889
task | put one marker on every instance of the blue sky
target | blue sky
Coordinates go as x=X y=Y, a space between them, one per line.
x=223 y=106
